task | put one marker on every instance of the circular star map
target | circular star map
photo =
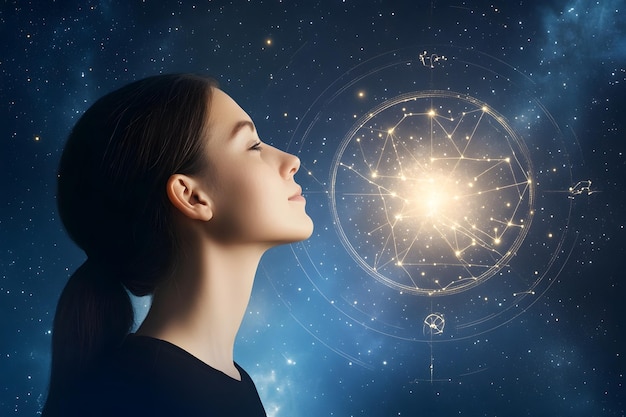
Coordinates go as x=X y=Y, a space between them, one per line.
x=444 y=212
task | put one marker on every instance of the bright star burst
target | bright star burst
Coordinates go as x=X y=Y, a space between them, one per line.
x=446 y=192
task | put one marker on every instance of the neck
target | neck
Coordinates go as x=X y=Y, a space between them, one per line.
x=201 y=307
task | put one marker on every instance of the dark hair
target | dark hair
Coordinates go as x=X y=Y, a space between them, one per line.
x=112 y=200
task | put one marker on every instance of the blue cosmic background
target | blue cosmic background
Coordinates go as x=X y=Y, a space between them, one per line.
x=324 y=335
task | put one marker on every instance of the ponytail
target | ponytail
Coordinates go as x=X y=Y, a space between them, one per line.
x=93 y=316
x=113 y=203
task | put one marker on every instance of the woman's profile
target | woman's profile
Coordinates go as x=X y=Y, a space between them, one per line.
x=166 y=186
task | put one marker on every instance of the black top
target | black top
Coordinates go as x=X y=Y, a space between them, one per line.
x=152 y=377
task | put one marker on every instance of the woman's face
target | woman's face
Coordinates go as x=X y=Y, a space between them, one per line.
x=254 y=196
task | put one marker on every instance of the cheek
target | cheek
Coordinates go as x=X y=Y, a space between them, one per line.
x=244 y=201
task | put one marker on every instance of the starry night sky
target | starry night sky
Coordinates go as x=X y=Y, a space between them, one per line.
x=356 y=321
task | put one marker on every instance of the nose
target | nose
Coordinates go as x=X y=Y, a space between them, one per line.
x=290 y=164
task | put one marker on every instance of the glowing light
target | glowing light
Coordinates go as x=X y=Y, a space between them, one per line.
x=431 y=217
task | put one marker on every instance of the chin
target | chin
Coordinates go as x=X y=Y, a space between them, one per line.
x=302 y=232
x=309 y=231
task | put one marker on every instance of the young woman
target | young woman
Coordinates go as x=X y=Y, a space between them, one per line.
x=168 y=189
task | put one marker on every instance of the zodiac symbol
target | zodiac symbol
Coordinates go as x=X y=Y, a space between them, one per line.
x=429 y=60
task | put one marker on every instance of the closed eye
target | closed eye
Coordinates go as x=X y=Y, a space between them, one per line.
x=256 y=146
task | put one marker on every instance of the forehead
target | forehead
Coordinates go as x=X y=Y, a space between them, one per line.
x=225 y=113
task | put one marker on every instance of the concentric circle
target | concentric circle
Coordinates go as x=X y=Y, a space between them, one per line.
x=432 y=192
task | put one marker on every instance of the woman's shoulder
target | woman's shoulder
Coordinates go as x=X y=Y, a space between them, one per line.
x=147 y=376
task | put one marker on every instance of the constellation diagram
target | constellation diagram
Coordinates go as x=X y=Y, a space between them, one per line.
x=450 y=191
x=436 y=183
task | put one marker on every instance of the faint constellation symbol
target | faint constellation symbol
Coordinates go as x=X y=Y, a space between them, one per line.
x=429 y=60
x=434 y=324
x=581 y=187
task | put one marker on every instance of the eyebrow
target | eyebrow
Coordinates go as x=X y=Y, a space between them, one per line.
x=240 y=125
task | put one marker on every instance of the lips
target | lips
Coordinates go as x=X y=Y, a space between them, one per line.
x=297 y=196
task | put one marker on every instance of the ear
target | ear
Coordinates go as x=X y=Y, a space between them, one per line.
x=189 y=197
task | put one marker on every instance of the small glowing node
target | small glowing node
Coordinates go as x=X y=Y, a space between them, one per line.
x=374 y=175
x=390 y=131
x=496 y=241
x=484 y=108
x=268 y=42
x=361 y=94
x=457 y=253
x=432 y=113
